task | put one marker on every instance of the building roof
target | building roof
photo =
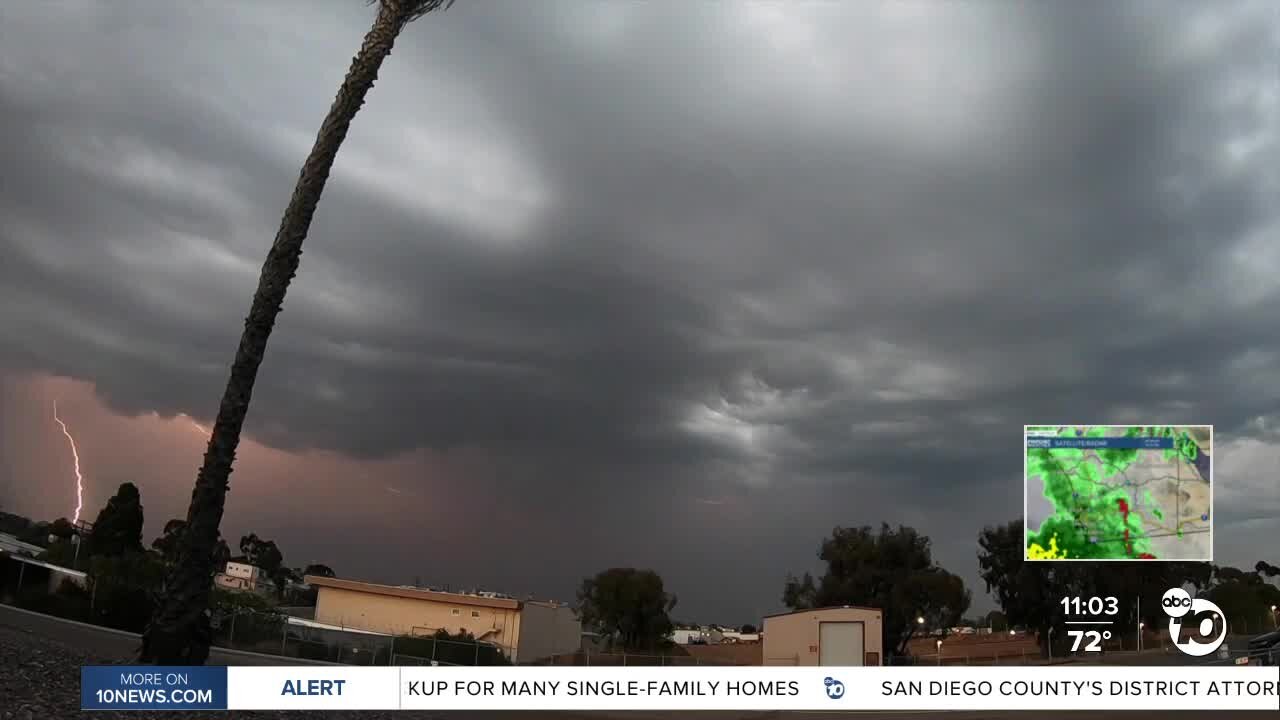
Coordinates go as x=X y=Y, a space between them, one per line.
x=40 y=563
x=413 y=593
x=553 y=604
x=821 y=609
x=9 y=542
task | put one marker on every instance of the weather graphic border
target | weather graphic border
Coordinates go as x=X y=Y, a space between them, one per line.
x=1026 y=492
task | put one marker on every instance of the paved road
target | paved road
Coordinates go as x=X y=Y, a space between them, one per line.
x=59 y=648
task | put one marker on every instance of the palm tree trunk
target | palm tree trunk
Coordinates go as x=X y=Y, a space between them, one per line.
x=179 y=630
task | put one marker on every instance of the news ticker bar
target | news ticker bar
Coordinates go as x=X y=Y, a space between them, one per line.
x=118 y=687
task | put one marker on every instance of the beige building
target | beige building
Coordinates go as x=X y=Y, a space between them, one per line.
x=525 y=630
x=841 y=636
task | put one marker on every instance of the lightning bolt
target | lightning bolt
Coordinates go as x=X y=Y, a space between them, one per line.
x=75 y=455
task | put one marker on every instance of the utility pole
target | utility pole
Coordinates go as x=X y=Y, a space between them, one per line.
x=1139 y=606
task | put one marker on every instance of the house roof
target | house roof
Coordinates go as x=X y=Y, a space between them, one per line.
x=9 y=541
x=40 y=563
x=413 y=593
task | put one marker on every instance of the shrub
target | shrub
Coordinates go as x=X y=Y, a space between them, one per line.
x=124 y=589
x=246 y=618
x=69 y=601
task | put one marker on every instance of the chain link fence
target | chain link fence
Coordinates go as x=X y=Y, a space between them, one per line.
x=430 y=650
x=973 y=657
x=600 y=659
x=272 y=633
x=275 y=633
x=1254 y=627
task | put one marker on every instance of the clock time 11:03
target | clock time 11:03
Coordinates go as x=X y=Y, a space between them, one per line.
x=1090 y=606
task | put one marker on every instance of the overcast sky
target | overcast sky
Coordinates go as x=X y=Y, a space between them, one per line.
x=673 y=285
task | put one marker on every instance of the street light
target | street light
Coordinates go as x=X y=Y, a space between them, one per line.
x=1273 y=617
x=939 y=646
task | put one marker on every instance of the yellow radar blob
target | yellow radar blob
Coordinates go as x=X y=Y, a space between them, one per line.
x=1036 y=552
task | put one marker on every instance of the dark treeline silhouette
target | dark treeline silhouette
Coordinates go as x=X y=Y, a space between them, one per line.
x=891 y=569
x=629 y=608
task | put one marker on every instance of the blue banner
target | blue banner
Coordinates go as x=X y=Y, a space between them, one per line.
x=151 y=687
x=1102 y=443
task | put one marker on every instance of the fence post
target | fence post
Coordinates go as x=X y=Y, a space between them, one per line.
x=434 y=645
x=624 y=659
x=231 y=632
x=476 y=662
x=392 y=660
x=284 y=635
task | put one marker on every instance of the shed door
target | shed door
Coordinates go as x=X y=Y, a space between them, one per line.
x=840 y=643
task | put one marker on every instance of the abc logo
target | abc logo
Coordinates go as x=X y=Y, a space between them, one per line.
x=1176 y=602
x=1197 y=627
x=835 y=688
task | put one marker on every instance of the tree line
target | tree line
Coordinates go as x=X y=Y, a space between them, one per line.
x=893 y=569
x=889 y=568
x=126 y=578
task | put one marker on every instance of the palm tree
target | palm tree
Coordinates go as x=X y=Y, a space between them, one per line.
x=179 y=633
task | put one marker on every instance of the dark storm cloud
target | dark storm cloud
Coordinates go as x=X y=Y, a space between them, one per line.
x=656 y=253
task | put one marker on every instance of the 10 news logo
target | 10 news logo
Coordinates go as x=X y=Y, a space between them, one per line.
x=1197 y=627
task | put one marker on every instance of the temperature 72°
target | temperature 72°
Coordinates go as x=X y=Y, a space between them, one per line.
x=1091 y=639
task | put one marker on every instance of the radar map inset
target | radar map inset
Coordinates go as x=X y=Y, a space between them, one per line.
x=1119 y=492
